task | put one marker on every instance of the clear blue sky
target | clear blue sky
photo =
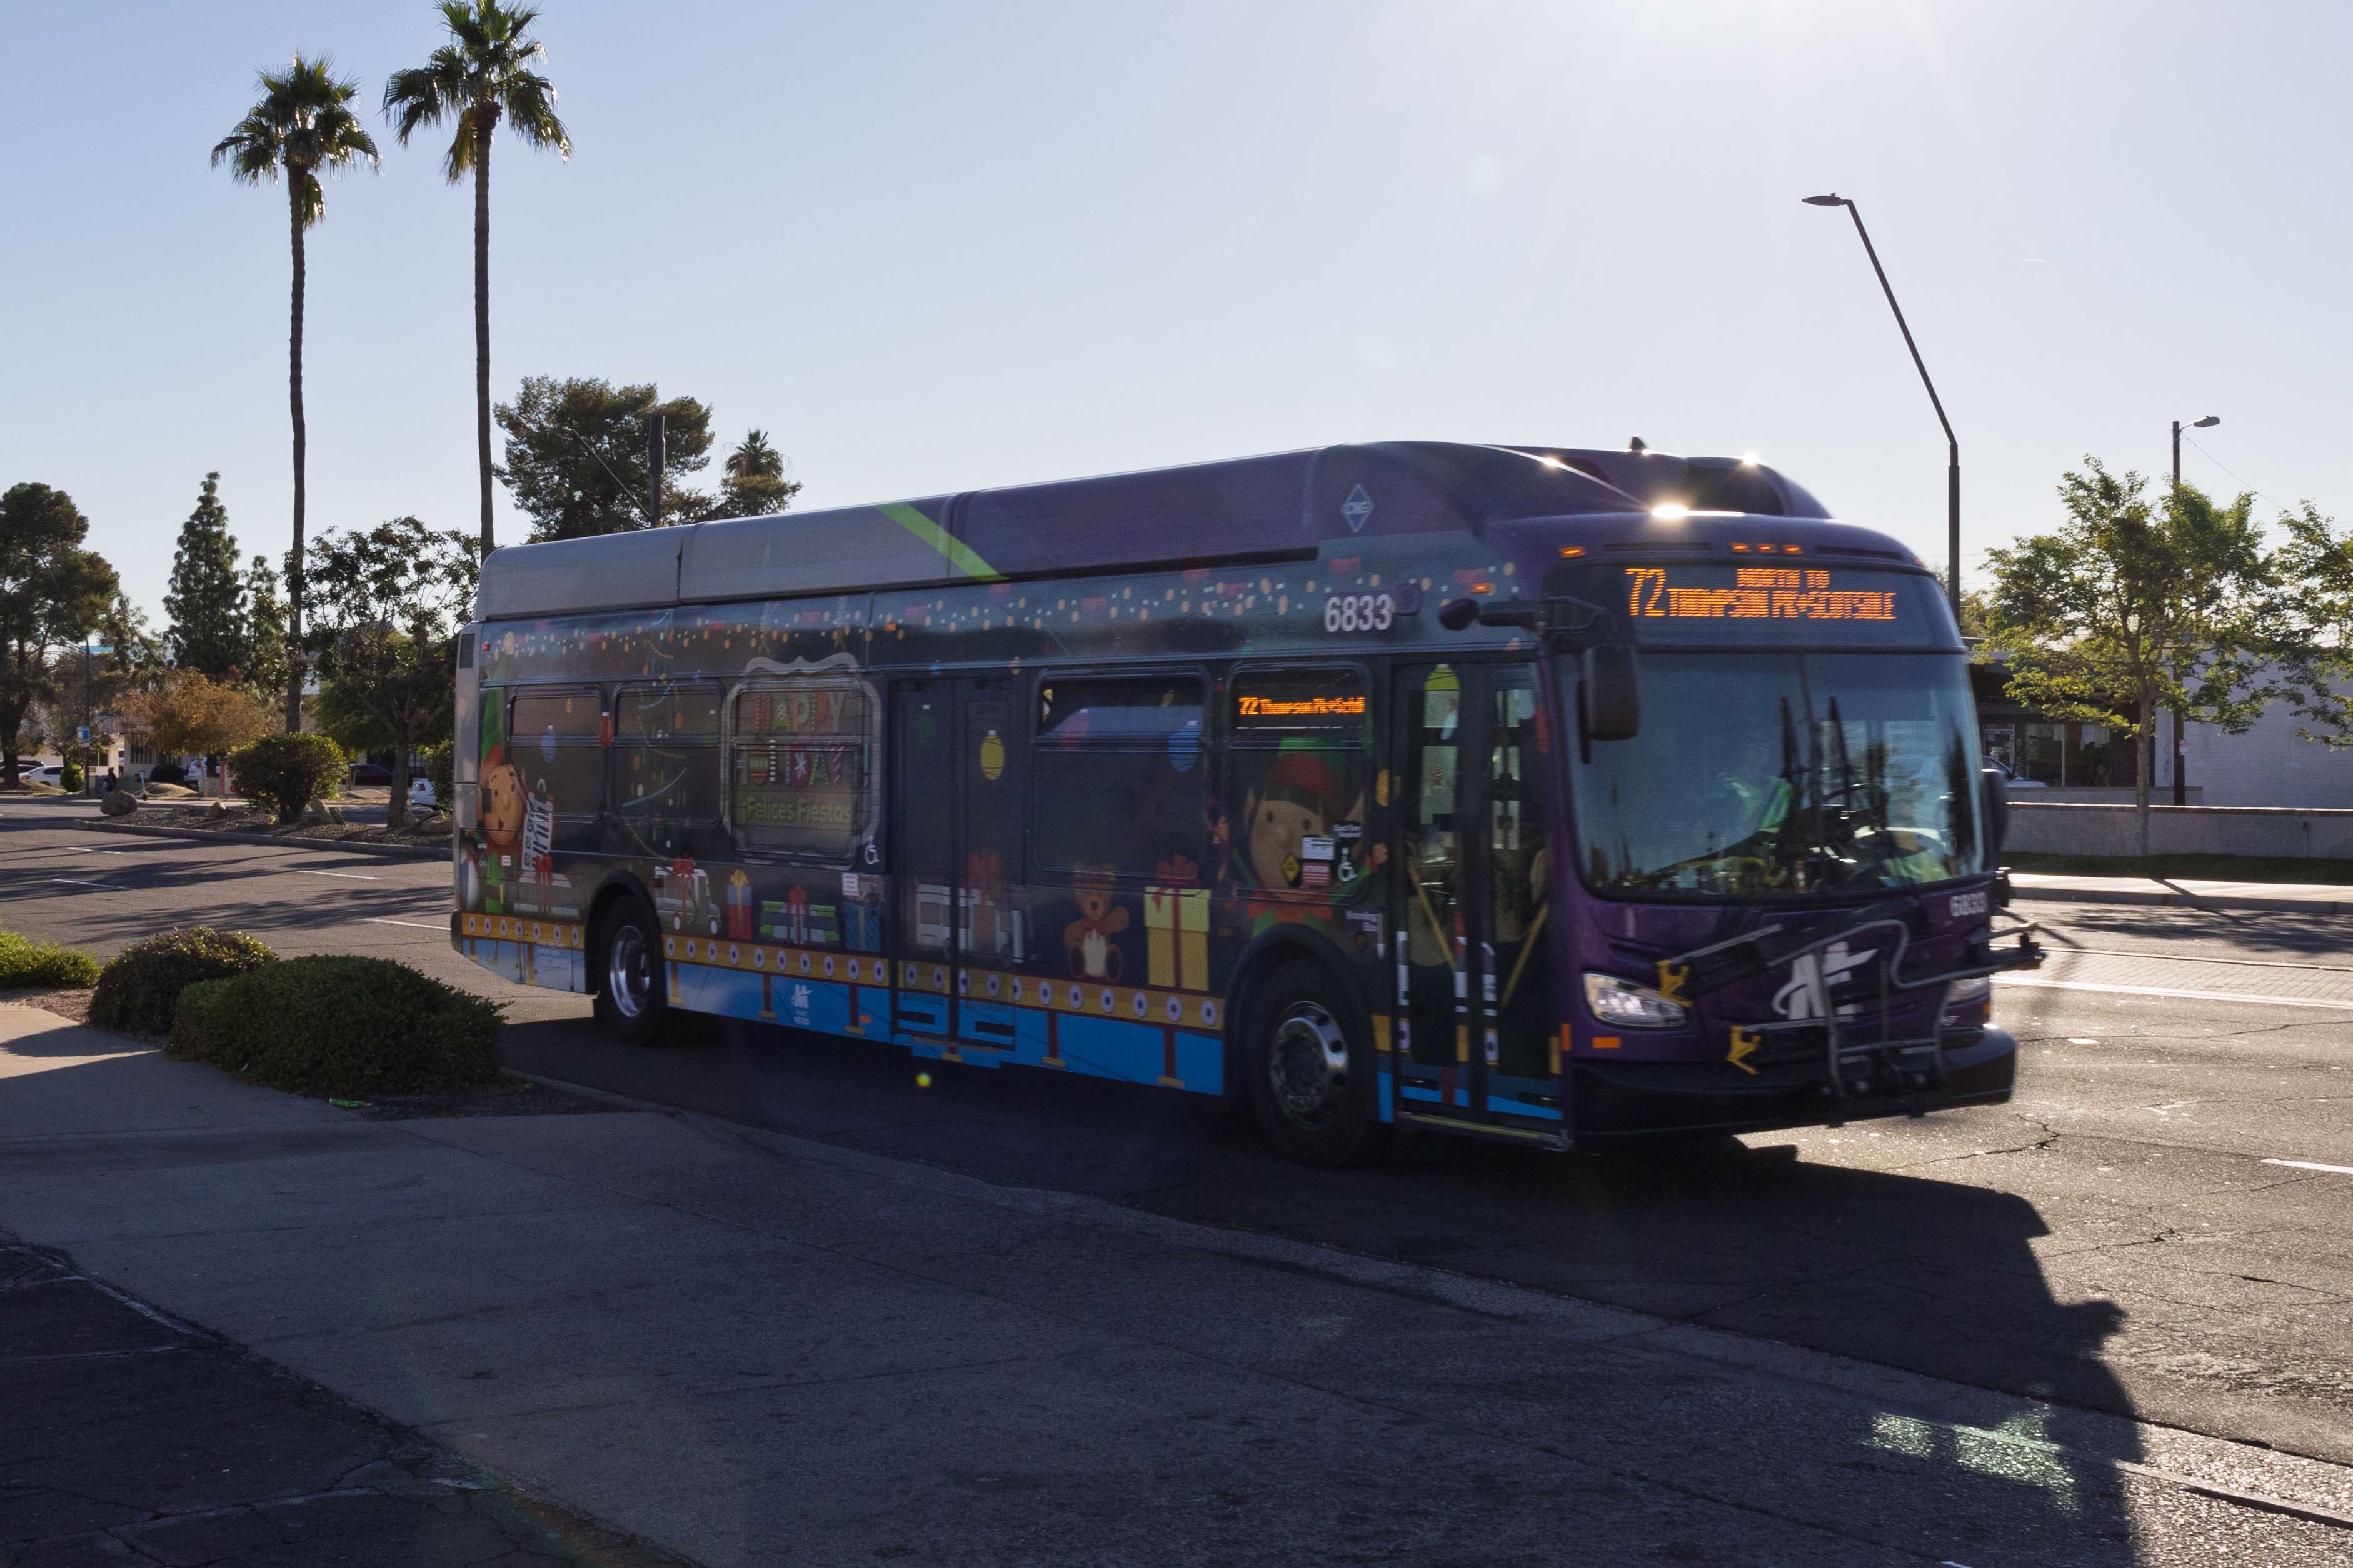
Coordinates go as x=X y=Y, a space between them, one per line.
x=931 y=245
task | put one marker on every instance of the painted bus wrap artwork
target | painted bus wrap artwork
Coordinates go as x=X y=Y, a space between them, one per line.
x=1079 y=776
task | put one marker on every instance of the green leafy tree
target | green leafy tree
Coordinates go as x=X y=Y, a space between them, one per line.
x=485 y=73
x=753 y=482
x=2128 y=609
x=302 y=127
x=52 y=593
x=207 y=598
x=577 y=456
x=390 y=602
x=2314 y=624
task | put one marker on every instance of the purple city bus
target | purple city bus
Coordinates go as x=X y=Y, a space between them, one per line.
x=1553 y=795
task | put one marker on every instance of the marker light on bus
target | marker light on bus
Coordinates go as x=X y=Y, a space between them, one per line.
x=1571 y=552
x=1623 y=1002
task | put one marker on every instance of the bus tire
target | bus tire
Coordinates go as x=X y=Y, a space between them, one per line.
x=1309 y=1070
x=632 y=1002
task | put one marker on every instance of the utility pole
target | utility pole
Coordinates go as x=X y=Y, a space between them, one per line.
x=2180 y=781
x=1952 y=442
x=657 y=457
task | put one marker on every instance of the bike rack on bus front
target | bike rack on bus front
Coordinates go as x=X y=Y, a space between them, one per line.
x=1914 y=1068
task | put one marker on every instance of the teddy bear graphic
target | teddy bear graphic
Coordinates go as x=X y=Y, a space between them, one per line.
x=1088 y=939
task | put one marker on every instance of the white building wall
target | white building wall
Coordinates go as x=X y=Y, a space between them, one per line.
x=2268 y=766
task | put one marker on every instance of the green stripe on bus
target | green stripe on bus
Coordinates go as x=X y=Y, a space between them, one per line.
x=958 y=555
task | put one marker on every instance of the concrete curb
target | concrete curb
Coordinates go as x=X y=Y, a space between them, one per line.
x=230 y=835
x=2161 y=894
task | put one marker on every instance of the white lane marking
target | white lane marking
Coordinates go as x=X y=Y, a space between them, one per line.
x=347 y=875
x=2169 y=991
x=86 y=850
x=2309 y=1165
x=78 y=882
x=414 y=925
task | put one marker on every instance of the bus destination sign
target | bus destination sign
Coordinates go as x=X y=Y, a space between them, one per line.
x=1755 y=594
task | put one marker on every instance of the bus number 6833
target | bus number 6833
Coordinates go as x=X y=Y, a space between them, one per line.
x=1358 y=613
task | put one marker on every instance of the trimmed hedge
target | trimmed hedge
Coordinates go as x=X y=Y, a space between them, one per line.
x=340 y=1025
x=26 y=963
x=142 y=987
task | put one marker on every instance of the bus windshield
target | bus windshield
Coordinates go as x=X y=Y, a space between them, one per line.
x=1770 y=776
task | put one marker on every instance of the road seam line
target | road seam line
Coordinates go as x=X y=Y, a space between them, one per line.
x=2167 y=991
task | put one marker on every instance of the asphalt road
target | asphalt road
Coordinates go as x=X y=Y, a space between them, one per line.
x=2155 y=1227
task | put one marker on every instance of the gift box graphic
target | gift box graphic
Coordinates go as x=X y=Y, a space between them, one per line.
x=739 y=918
x=1177 y=926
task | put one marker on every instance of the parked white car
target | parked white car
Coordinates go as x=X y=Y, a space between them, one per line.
x=2009 y=777
x=50 y=773
x=420 y=793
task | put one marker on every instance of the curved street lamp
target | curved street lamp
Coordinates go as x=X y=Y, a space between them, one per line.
x=1953 y=470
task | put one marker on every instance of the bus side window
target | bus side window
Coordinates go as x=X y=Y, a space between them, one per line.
x=1297 y=772
x=542 y=774
x=799 y=771
x=666 y=769
x=1117 y=782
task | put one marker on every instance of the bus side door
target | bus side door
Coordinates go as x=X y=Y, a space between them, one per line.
x=1476 y=1020
x=956 y=771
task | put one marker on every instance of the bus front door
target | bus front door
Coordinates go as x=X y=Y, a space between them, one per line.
x=956 y=767
x=1476 y=1019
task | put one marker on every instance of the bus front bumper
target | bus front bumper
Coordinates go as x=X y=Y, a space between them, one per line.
x=1625 y=1101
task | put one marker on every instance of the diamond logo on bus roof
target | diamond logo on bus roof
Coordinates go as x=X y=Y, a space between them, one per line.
x=1357 y=509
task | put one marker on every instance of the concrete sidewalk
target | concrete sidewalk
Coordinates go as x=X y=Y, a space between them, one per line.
x=750 y=1348
x=2308 y=897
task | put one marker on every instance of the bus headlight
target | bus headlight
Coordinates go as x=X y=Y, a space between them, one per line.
x=1629 y=1006
x=1976 y=988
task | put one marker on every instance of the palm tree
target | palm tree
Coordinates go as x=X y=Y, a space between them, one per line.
x=302 y=127
x=755 y=485
x=483 y=73
x=756 y=460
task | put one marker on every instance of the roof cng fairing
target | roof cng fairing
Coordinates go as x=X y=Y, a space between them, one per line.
x=1280 y=505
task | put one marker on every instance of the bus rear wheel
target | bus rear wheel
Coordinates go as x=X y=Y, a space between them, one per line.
x=1309 y=1072
x=632 y=1002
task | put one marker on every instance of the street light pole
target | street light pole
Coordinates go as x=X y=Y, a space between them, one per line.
x=2181 y=782
x=1953 y=444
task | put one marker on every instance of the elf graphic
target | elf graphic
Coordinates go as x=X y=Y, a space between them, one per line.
x=1300 y=842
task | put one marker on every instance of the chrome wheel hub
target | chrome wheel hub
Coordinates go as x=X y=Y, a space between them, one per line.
x=1307 y=1065
x=628 y=973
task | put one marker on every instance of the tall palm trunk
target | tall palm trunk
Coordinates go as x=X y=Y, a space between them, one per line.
x=482 y=322
x=294 y=392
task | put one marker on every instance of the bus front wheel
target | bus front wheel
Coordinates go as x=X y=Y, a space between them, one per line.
x=1309 y=1072
x=631 y=1000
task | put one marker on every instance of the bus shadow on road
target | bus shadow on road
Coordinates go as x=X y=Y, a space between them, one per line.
x=1924 y=1275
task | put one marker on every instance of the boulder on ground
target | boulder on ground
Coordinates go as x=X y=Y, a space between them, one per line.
x=219 y=810
x=117 y=804
x=314 y=814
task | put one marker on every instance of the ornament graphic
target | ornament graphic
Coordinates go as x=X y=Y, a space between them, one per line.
x=992 y=757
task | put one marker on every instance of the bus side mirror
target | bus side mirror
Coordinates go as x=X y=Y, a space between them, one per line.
x=1613 y=705
x=1997 y=810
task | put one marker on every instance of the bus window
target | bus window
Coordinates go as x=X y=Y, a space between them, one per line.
x=1117 y=782
x=666 y=768
x=799 y=778
x=1295 y=783
x=546 y=779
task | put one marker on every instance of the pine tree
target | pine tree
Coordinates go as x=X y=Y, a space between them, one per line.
x=207 y=600
x=266 y=668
